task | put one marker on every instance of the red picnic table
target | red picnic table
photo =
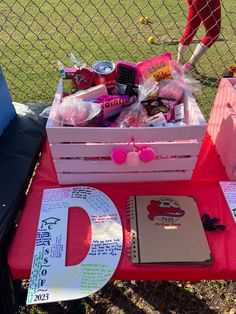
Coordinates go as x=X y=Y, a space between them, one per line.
x=204 y=187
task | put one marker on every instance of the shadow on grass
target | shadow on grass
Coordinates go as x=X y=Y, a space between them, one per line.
x=148 y=297
x=194 y=41
x=209 y=81
x=167 y=297
x=132 y=297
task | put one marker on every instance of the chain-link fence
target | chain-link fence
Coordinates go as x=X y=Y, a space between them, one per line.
x=34 y=34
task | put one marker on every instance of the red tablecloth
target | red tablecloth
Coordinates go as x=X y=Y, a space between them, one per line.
x=204 y=187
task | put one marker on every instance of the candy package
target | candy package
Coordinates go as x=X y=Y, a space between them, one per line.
x=160 y=105
x=158 y=67
x=168 y=95
x=112 y=105
x=136 y=115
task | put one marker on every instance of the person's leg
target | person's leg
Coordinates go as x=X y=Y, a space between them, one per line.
x=211 y=19
x=193 y=23
x=210 y=13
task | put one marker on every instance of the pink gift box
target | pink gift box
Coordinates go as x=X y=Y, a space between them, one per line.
x=222 y=125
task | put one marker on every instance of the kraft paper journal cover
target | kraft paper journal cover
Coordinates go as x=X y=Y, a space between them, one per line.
x=167 y=229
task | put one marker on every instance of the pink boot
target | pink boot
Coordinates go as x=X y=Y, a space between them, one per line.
x=188 y=67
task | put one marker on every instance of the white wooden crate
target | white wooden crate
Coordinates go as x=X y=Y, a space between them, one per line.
x=82 y=154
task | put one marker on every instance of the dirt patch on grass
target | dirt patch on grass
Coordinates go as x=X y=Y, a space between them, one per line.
x=134 y=297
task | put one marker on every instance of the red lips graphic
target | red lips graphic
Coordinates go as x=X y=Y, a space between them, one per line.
x=155 y=210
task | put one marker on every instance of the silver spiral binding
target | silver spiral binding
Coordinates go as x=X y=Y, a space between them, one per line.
x=133 y=248
x=130 y=208
x=132 y=252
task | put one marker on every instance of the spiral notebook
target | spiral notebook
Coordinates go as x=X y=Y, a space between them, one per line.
x=167 y=230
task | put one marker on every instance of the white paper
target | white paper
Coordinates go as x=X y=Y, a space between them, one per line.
x=50 y=279
x=229 y=190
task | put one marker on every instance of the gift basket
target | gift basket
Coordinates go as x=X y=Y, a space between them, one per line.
x=125 y=122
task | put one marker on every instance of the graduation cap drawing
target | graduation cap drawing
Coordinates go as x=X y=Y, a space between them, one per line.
x=49 y=222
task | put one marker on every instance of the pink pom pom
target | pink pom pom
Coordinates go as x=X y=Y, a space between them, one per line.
x=119 y=156
x=147 y=154
x=133 y=159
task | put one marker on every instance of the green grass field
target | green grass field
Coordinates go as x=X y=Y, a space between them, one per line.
x=33 y=35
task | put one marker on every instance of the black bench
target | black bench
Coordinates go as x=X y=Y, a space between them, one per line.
x=20 y=146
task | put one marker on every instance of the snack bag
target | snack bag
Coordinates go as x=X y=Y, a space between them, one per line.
x=136 y=115
x=158 y=67
x=73 y=112
x=76 y=112
x=166 y=106
x=171 y=89
x=185 y=80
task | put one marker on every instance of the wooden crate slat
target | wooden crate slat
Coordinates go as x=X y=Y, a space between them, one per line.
x=72 y=165
x=82 y=178
x=123 y=135
x=105 y=149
